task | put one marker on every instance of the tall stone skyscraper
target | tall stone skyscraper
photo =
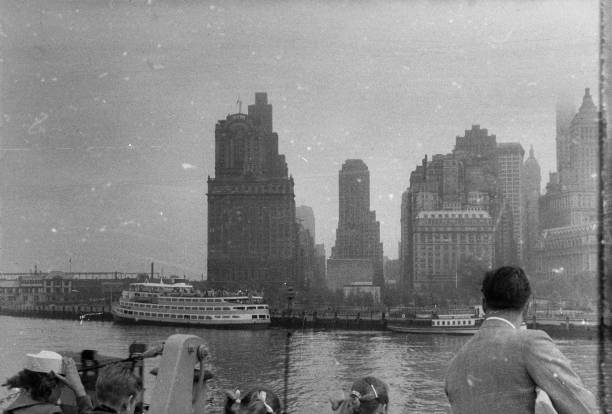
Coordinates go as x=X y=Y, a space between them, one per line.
x=569 y=208
x=252 y=231
x=358 y=233
x=531 y=196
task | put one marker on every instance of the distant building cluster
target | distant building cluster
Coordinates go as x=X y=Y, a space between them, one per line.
x=257 y=237
x=479 y=203
x=462 y=205
x=31 y=289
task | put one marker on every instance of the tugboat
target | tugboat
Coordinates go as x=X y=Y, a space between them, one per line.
x=454 y=323
x=181 y=304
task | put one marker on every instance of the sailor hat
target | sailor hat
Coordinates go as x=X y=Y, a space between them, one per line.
x=44 y=361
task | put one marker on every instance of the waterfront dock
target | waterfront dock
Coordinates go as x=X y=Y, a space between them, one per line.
x=84 y=311
x=324 y=320
x=366 y=321
x=377 y=321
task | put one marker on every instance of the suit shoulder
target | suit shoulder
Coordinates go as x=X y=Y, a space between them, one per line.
x=534 y=334
x=534 y=339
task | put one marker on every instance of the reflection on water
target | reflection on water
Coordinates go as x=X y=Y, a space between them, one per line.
x=322 y=364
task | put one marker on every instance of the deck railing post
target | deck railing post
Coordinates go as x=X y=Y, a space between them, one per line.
x=175 y=390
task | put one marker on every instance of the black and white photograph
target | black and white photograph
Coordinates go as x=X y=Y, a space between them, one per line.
x=303 y=206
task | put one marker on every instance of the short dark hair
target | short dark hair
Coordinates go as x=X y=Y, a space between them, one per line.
x=117 y=382
x=506 y=288
x=40 y=385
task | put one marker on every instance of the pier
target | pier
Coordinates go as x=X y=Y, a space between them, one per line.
x=324 y=320
x=366 y=321
x=97 y=312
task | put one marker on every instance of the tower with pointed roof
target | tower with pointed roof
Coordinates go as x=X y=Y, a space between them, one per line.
x=568 y=210
x=531 y=195
x=584 y=146
x=571 y=196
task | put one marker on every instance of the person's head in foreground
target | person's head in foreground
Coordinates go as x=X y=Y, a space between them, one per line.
x=39 y=382
x=506 y=369
x=505 y=289
x=256 y=401
x=368 y=395
x=118 y=389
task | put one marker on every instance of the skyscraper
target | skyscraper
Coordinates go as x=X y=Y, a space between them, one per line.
x=358 y=233
x=510 y=166
x=252 y=231
x=307 y=251
x=564 y=113
x=531 y=197
x=568 y=209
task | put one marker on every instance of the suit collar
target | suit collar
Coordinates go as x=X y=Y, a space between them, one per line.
x=497 y=322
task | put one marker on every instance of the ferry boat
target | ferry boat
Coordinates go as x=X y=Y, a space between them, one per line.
x=459 y=323
x=181 y=304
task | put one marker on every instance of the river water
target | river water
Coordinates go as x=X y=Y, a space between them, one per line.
x=321 y=363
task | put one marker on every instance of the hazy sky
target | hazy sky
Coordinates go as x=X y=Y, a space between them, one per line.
x=109 y=108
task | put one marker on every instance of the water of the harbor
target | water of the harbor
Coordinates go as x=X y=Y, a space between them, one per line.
x=321 y=363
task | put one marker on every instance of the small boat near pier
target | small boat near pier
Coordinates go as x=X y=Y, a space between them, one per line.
x=451 y=323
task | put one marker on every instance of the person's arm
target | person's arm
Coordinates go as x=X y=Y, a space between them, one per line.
x=72 y=380
x=552 y=372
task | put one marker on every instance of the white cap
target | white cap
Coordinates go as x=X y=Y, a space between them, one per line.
x=44 y=361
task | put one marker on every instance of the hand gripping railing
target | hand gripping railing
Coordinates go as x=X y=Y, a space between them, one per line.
x=176 y=389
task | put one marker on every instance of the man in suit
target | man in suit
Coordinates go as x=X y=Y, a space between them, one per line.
x=498 y=370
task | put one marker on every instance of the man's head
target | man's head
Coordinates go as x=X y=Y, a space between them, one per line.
x=506 y=288
x=119 y=388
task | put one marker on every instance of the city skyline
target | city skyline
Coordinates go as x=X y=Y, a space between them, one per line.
x=346 y=81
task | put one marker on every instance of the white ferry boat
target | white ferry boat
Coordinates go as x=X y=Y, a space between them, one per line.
x=450 y=324
x=181 y=304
